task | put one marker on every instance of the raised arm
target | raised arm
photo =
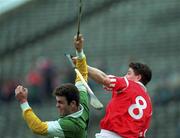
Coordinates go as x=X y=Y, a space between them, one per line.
x=48 y=128
x=34 y=123
x=94 y=73
x=81 y=65
x=81 y=58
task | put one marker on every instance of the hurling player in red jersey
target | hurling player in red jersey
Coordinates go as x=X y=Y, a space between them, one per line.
x=128 y=113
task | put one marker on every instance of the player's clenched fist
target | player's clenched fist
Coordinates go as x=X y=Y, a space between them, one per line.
x=21 y=94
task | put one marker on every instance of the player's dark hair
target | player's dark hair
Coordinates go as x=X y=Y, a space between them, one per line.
x=143 y=70
x=69 y=91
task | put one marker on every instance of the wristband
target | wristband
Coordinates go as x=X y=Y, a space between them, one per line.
x=80 y=55
x=25 y=106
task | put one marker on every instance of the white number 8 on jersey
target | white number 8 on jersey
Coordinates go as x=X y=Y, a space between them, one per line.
x=138 y=106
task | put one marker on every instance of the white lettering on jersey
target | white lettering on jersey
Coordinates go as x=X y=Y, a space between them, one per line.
x=138 y=106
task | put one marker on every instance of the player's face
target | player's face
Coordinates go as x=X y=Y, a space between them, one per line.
x=62 y=106
x=132 y=76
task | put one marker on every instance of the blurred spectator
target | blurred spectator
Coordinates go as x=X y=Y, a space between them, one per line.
x=48 y=73
x=7 y=90
x=41 y=80
x=34 y=82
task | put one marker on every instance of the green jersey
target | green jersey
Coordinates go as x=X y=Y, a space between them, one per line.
x=73 y=125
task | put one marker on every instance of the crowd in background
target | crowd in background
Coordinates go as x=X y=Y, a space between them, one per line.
x=40 y=80
x=43 y=77
x=168 y=89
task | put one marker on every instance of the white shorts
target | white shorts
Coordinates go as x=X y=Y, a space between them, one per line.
x=107 y=134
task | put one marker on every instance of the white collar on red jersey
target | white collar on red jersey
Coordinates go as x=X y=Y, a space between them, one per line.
x=142 y=85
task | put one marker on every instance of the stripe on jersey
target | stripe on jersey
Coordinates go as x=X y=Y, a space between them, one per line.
x=54 y=129
x=112 y=83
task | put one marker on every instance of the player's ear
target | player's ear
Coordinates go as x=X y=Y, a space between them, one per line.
x=73 y=104
x=139 y=77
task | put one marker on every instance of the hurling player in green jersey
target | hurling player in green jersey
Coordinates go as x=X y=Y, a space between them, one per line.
x=71 y=101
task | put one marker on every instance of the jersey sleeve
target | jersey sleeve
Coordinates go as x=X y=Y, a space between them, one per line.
x=48 y=128
x=81 y=65
x=116 y=83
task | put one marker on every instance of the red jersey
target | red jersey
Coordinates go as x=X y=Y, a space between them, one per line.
x=129 y=111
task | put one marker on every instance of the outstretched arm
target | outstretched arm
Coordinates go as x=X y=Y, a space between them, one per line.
x=98 y=76
x=50 y=128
